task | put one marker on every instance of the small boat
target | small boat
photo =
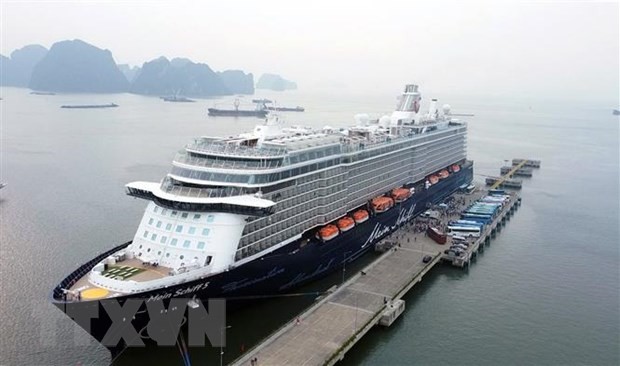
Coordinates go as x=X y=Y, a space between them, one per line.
x=436 y=235
x=345 y=224
x=89 y=106
x=433 y=179
x=382 y=204
x=41 y=93
x=177 y=99
x=287 y=109
x=401 y=194
x=455 y=168
x=443 y=174
x=360 y=216
x=328 y=232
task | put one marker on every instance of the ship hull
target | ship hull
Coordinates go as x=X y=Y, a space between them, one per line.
x=280 y=271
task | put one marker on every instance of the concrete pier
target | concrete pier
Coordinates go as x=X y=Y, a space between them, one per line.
x=323 y=333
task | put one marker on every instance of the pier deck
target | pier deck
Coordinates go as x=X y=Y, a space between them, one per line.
x=322 y=334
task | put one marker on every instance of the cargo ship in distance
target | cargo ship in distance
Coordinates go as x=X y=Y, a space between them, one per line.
x=270 y=210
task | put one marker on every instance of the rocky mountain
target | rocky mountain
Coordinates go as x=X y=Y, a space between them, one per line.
x=16 y=70
x=130 y=72
x=275 y=82
x=237 y=81
x=178 y=77
x=78 y=67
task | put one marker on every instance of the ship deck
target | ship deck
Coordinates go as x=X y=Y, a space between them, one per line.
x=129 y=269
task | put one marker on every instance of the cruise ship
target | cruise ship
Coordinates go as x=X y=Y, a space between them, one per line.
x=267 y=211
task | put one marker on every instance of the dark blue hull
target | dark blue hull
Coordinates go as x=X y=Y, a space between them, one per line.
x=293 y=265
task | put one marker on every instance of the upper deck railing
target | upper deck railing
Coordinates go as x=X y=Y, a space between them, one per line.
x=170 y=188
x=224 y=149
x=254 y=164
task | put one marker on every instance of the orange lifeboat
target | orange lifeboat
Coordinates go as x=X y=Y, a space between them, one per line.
x=328 y=232
x=345 y=224
x=443 y=174
x=455 y=168
x=382 y=204
x=400 y=194
x=360 y=216
x=433 y=179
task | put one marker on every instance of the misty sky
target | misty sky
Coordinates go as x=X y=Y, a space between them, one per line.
x=542 y=49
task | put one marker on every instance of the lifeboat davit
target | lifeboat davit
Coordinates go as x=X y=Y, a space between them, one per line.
x=328 y=232
x=382 y=204
x=443 y=174
x=401 y=194
x=433 y=179
x=360 y=216
x=345 y=224
x=455 y=168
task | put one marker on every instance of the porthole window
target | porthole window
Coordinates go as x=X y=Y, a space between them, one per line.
x=167 y=255
x=159 y=253
x=182 y=256
x=140 y=247
x=148 y=250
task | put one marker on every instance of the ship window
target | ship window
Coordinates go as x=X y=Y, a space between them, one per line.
x=201 y=245
x=192 y=230
x=148 y=250
x=158 y=223
x=209 y=260
x=153 y=237
x=181 y=256
x=174 y=213
x=173 y=242
x=146 y=233
x=151 y=221
x=155 y=209
x=196 y=216
x=179 y=228
x=205 y=231
x=186 y=244
x=140 y=247
x=164 y=211
x=159 y=252
x=184 y=215
x=167 y=255
x=210 y=218
x=163 y=239
x=168 y=226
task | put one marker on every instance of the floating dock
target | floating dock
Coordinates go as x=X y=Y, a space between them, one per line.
x=526 y=162
x=503 y=183
x=523 y=172
x=323 y=333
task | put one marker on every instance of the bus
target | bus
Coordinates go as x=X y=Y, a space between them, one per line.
x=466 y=231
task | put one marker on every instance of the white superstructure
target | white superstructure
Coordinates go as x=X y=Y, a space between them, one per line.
x=228 y=201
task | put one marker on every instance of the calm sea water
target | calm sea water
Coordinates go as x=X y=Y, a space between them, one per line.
x=546 y=292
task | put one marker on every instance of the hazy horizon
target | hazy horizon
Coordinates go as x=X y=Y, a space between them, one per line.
x=546 y=50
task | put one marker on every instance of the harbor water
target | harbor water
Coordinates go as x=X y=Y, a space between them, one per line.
x=545 y=292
